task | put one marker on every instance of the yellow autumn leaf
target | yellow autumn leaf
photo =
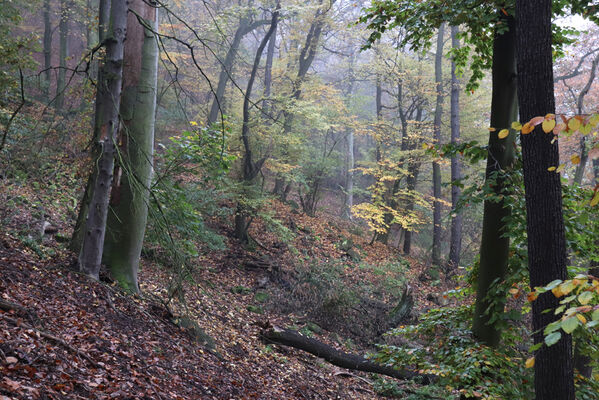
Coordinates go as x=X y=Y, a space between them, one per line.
x=575 y=159
x=557 y=291
x=527 y=128
x=560 y=168
x=193 y=123
x=595 y=199
x=530 y=362
x=424 y=146
x=586 y=129
x=548 y=125
x=574 y=124
x=492 y=129
x=550 y=116
x=581 y=318
x=516 y=125
x=551 y=169
x=594 y=120
x=503 y=134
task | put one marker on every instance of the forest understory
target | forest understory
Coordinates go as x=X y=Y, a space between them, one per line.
x=65 y=336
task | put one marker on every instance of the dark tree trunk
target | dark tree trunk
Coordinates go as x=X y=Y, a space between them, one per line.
x=547 y=255
x=251 y=169
x=455 y=243
x=106 y=131
x=270 y=54
x=494 y=248
x=437 y=137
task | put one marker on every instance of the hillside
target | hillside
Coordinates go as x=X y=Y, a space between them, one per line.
x=64 y=336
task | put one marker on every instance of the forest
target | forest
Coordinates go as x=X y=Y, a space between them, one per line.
x=281 y=199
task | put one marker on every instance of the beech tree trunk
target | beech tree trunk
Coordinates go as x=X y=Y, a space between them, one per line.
x=455 y=243
x=130 y=191
x=63 y=53
x=547 y=255
x=79 y=229
x=47 y=49
x=106 y=132
x=437 y=136
x=494 y=247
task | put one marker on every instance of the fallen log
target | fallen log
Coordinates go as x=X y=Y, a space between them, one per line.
x=336 y=357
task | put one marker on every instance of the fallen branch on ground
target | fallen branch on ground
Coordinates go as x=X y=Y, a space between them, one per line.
x=336 y=357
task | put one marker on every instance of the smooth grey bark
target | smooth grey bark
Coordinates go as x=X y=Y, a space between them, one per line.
x=349 y=150
x=63 y=53
x=547 y=251
x=78 y=230
x=436 y=256
x=455 y=242
x=411 y=180
x=251 y=168
x=47 y=48
x=494 y=247
x=126 y=224
x=106 y=128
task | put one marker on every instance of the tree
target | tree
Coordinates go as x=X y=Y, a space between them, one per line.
x=126 y=222
x=63 y=33
x=437 y=137
x=105 y=131
x=455 y=243
x=547 y=252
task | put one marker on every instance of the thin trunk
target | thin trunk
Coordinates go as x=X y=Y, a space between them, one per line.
x=106 y=131
x=411 y=180
x=130 y=192
x=250 y=168
x=47 y=48
x=63 y=53
x=270 y=54
x=455 y=243
x=349 y=166
x=547 y=253
x=437 y=137
x=495 y=244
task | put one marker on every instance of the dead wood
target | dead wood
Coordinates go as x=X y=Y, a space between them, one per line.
x=336 y=357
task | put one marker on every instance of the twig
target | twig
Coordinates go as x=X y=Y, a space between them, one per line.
x=14 y=114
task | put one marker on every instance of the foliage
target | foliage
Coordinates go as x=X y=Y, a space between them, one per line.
x=460 y=364
x=190 y=186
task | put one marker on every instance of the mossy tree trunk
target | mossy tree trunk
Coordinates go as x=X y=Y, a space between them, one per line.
x=131 y=187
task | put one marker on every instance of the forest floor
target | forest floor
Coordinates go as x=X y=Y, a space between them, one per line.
x=63 y=336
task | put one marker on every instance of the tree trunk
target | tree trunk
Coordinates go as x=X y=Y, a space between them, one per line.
x=547 y=255
x=47 y=49
x=349 y=176
x=411 y=180
x=79 y=229
x=250 y=168
x=126 y=224
x=270 y=54
x=63 y=53
x=455 y=243
x=106 y=131
x=437 y=137
x=494 y=247
x=291 y=338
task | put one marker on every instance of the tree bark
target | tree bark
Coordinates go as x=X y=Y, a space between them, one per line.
x=455 y=243
x=47 y=48
x=63 y=53
x=437 y=137
x=251 y=169
x=270 y=54
x=106 y=131
x=79 y=229
x=126 y=224
x=336 y=357
x=547 y=255
x=494 y=247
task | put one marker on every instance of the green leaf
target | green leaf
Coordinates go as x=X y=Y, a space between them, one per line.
x=553 y=338
x=595 y=315
x=569 y=324
x=585 y=297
